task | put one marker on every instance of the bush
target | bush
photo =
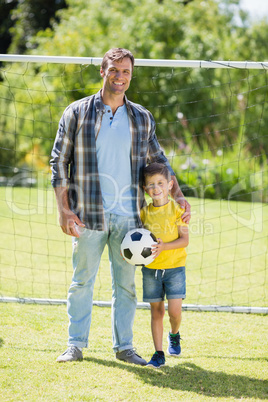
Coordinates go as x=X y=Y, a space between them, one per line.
x=227 y=175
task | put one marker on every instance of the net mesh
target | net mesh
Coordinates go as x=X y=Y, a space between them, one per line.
x=212 y=124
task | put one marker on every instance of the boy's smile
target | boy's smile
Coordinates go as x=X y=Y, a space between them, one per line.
x=157 y=187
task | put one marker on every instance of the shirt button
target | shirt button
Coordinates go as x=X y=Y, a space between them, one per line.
x=109 y=111
x=111 y=118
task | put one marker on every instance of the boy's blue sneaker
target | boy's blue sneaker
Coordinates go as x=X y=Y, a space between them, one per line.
x=174 y=347
x=157 y=360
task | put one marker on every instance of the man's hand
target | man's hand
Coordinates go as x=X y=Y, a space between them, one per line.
x=186 y=216
x=68 y=222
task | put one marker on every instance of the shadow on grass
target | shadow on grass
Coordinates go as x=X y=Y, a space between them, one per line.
x=1 y=342
x=192 y=378
x=253 y=359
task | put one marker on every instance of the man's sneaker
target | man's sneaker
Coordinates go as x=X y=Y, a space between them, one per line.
x=157 y=360
x=70 y=355
x=174 y=347
x=130 y=356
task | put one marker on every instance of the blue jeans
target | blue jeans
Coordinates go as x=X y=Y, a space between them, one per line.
x=87 y=252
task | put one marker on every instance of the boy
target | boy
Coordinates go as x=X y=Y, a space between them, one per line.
x=166 y=274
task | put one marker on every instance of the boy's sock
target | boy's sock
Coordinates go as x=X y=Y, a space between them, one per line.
x=174 y=334
x=160 y=352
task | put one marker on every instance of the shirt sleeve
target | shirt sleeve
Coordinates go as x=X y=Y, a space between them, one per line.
x=179 y=213
x=62 y=151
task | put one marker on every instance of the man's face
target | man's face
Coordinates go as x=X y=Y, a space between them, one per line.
x=117 y=76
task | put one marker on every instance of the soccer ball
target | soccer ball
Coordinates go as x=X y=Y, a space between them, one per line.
x=136 y=247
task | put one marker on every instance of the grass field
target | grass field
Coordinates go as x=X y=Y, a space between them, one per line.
x=226 y=265
x=224 y=358
x=224 y=355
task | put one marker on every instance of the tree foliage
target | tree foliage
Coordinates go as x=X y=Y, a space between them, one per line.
x=197 y=108
x=6 y=23
x=25 y=18
x=202 y=30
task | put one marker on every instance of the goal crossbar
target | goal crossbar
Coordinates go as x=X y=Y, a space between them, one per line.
x=138 y=62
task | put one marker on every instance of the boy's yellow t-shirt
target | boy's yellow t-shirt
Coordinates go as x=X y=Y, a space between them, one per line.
x=163 y=222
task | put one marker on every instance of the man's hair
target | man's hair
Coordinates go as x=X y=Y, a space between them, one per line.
x=117 y=54
x=156 y=168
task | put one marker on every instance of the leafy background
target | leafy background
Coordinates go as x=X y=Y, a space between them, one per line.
x=212 y=123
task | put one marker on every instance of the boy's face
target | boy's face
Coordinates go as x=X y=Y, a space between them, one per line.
x=157 y=187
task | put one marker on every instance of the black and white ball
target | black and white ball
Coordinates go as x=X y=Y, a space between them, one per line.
x=136 y=246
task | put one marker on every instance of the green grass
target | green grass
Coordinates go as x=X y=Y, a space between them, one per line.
x=224 y=358
x=226 y=265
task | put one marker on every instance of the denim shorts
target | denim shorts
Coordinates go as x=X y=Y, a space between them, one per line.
x=158 y=283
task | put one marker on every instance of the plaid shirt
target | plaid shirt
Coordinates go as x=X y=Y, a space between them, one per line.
x=74 y=158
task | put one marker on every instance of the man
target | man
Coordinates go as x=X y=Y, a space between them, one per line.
x=102 y=145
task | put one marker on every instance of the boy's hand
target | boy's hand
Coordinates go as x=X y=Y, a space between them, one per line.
x=157 y=248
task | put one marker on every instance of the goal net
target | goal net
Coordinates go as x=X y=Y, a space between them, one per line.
x=212 y=122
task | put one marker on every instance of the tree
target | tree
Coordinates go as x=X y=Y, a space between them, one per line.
x=30 y=17
x=200 y=30
x=6 y=23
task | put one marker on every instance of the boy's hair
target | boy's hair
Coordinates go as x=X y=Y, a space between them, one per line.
x=117 y=54
x=156 y=168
